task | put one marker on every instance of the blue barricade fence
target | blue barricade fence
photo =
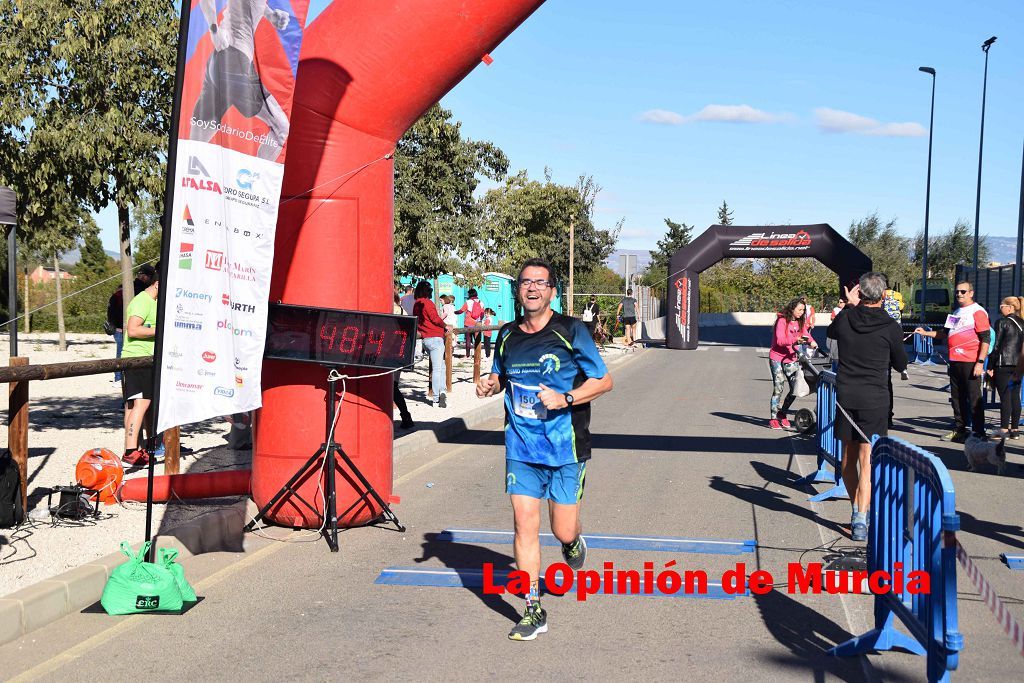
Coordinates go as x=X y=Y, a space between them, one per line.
x=830 y=449
x=913 y=522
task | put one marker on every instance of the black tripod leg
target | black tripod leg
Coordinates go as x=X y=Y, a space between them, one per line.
x=387 y=514
x=330 y=496
x=289 y=487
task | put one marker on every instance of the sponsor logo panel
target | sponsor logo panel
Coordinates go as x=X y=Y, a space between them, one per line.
x=772 y=241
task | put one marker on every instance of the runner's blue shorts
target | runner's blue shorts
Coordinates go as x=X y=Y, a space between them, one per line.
x=562 y=484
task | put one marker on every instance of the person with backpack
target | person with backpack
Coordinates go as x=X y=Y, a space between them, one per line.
x=550 y=370
x=966 y=332
x=1002 y=365
x=474 y=311
x=589 y=315
x=488 y=321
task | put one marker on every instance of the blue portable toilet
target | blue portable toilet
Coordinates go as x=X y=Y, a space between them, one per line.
x=497 y=292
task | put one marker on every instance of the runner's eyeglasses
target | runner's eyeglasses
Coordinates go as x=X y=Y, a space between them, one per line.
x=539 y=284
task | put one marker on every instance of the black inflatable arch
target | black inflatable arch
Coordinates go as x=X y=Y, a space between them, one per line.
x=752 y=241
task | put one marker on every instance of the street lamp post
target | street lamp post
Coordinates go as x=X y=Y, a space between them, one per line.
x=1020 y=234
x=927 y=197
x=981 y=148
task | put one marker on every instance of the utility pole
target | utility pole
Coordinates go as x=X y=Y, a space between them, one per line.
x=572 y=251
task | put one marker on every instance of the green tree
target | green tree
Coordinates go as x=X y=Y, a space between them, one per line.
x=93 y=90
x=146 y=218
x=888 y=250
x=436 y=173
x=677 y=237
x=949 y=249
x=94 y=263
x=58 y=233
x=526 y=218
x=724 y=214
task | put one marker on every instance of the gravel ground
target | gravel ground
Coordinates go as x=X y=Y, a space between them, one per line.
x=69 y=416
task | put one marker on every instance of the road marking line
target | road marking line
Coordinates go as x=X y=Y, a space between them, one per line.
x=473 y=578
x=648 y=543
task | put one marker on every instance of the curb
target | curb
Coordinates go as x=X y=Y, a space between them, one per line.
x=43 y=603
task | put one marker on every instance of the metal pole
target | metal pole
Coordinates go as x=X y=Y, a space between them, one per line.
x=1020 y=234
x=572 y=251
x=165 y=250
x=927 y=198
x=981 y=148
x=12 y=288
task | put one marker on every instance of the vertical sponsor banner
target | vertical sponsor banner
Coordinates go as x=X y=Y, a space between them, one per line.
x=239 y=76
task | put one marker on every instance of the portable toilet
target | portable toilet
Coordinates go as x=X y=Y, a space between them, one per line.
x=497 y=294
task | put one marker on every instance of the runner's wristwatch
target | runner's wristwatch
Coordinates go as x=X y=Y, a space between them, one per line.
x=569 y=399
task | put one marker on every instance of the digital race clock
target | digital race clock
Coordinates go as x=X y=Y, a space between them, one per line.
x=332 y=337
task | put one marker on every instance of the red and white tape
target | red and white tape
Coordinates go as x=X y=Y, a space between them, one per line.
x=988 y=594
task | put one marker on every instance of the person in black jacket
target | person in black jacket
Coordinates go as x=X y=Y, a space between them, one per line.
x=1002 y=365
x=870 y=347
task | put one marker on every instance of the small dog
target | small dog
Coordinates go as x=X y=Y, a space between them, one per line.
x=978 y=452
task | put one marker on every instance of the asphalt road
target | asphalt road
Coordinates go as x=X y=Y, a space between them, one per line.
x=681 y=450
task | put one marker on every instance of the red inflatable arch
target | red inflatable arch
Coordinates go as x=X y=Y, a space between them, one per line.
x=369 y=69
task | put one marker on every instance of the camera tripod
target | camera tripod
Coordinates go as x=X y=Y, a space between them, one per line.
x=330 y=450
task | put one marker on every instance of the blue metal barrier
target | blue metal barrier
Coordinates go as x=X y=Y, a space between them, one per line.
x=913 y=522
x=830 y=449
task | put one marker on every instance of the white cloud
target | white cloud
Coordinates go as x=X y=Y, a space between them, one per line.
x=669 y=118
x=836 y=121
x=730 y=113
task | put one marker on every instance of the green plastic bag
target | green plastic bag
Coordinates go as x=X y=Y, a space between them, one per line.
x=137 y=586
x=167 y=556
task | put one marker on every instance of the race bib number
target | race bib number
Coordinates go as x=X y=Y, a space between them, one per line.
x=952 y=321
x=525 y=402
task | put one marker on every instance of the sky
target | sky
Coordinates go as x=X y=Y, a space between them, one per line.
x=792 y=112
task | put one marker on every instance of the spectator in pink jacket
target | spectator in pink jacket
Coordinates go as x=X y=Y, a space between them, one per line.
x=790 y=331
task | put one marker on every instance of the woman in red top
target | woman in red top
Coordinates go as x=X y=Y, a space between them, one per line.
x=431 y=329
x=790 y=330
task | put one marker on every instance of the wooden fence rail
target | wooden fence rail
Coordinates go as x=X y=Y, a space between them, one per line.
x=20 y=373
x=449 y=346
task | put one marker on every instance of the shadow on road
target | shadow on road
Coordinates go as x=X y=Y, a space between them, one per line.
x=807 y=635
x=647 y=442
x=748 y=419
x=770 y=500
x=1008 y=534
x=464 y=556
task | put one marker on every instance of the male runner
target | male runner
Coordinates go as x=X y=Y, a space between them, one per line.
x=231 y=79
x=550 y=369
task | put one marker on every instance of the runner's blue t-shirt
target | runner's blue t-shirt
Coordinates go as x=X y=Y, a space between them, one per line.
x=561 y=357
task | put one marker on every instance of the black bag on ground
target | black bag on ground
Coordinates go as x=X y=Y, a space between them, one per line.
x=11 y=512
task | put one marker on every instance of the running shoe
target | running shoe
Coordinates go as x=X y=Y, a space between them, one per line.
x=956 y=436
x=407 y=423
x=442 y=401
x=534 y=621
x=859 y=531
x=774 y=424
x=575 y=553
x=1014 y=434
x=136 y=457
x=784 y=423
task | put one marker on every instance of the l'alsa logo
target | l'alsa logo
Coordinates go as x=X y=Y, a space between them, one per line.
x=549 y=363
